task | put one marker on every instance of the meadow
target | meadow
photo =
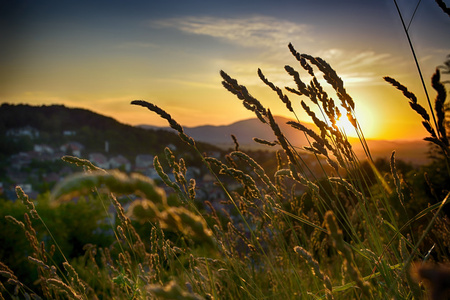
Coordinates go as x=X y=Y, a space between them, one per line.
x=360 y=231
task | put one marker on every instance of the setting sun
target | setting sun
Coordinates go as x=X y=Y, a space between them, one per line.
x=346 y=126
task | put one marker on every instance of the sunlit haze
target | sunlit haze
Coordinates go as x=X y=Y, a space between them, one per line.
x=101 y=55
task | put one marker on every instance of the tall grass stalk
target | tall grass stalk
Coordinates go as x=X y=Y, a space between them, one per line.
x=416 y=61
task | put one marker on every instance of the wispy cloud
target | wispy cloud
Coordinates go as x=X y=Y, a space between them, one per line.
x=253 y=31
x=355 y=69
x=357 y=66
x=349 y=60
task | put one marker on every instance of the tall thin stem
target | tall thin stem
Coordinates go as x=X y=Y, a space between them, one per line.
x=417 y=62
x=414 y=13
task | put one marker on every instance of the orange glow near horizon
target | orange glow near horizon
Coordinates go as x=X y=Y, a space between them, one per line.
x=378 y=121
x=173 y=60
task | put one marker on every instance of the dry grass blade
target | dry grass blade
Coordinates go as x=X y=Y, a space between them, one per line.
x=311 y=133
x=396 y=178
x=443 y=7
x=235 y=141
x=324 y=128
x=61 y=287
x=163 y=114
x=81 y=162
x=301 y=86
x=242 y=93
x=281 y=138
x=314 y=265
x=25 y=200
x=264 y=142
x=280 y=94
x=256 y=167
x=414 y=105
x=439 y=105
x=301 y=60
x=402 y=88
x=333 y=79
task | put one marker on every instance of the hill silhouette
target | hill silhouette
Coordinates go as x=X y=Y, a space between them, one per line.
x=244 y=131
x=58 y=124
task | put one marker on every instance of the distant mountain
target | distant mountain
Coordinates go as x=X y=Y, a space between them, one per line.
x=246 y=130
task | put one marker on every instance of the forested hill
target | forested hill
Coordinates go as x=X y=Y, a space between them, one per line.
x=53 y=118
x=58 y=124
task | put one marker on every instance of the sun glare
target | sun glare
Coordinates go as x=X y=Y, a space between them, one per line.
x=345 y=126
x=365 y=116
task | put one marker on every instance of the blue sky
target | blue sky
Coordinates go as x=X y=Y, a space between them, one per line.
x=100 y=55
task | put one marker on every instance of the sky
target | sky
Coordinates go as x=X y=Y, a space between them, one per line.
x=101 y=55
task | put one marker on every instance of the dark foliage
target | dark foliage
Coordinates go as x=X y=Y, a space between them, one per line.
x=91 y=130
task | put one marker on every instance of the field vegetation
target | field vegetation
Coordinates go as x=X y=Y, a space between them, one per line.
x=364 y=229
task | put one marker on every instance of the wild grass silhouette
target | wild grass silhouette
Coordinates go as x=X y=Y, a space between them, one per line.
x=347 y=233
